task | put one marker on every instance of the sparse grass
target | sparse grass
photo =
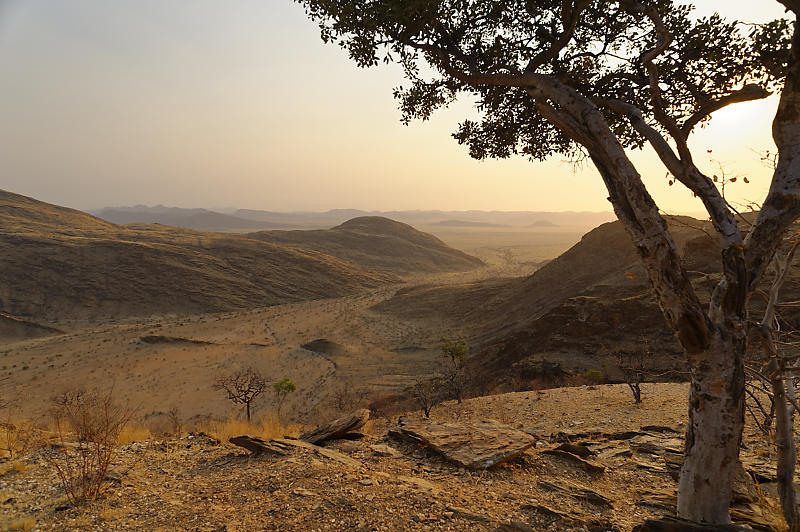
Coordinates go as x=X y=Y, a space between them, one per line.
x=26 y=523
x=267 y=428
x=133 y=432
x=16 y=466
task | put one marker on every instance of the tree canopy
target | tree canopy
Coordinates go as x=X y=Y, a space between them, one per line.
x=599 y=48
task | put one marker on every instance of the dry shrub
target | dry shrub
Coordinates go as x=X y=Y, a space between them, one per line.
x=87 y=425
x=18 y=437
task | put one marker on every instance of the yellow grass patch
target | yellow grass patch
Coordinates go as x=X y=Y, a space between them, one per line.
x=133 y=432
x=20 y=524
x=266 y=428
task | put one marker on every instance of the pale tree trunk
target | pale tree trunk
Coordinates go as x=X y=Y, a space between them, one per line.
x=713 y=432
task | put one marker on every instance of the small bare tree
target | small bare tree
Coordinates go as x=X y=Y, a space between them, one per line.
x=174 y=417
x=348 y=397
x=633 y=365
x=427 y=392
x=242 y=387
x=454 y=354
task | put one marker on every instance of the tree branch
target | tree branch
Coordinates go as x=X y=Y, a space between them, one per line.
x=745 y=94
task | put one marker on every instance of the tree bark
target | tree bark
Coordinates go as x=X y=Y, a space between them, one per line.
x=714 y=431
x=247 y=406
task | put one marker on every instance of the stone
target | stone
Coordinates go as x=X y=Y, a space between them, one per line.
x=587 y=465
x=337 y=428
x=660 y=428
x=578 y=450
x=419 y=484
x=285 y=447
x=576 y=491
x=381 y=449
x=477 y=445
x=465 y=514
x=663 y=500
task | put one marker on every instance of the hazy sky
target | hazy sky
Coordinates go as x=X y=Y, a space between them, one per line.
x=210 y=103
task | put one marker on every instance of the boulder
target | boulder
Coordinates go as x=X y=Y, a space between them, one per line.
x=588 y=465
x=285 y=447
x=473 y=445
x=338 y=428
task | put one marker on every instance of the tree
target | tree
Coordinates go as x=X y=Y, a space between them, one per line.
x=454 y=355
x=242 y=387
x=592 y=78
x=282 y=388
x=427 y=392
x=633 y=364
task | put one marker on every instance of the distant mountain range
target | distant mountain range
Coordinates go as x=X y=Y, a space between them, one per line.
x=245 y=220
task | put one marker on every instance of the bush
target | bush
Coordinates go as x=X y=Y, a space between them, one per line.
x=95 y=421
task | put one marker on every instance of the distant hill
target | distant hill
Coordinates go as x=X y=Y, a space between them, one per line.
x=434 y=218
x=464 y=223
x=379 y=244
x=197 y=219
x=543 y=223
x=244 y=220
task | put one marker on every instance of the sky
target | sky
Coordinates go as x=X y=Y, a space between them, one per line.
x=204 y=103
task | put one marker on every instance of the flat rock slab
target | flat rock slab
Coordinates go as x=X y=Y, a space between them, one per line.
x=285 y=447
x=473 y=445
x=337 y=428
x=588 y=465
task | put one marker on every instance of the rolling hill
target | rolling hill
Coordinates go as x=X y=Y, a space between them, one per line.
x=380 y=244
x=61 y=265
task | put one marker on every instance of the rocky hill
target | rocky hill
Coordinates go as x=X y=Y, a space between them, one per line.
x=61 y=265
x=573 y=312
x=379 y=244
